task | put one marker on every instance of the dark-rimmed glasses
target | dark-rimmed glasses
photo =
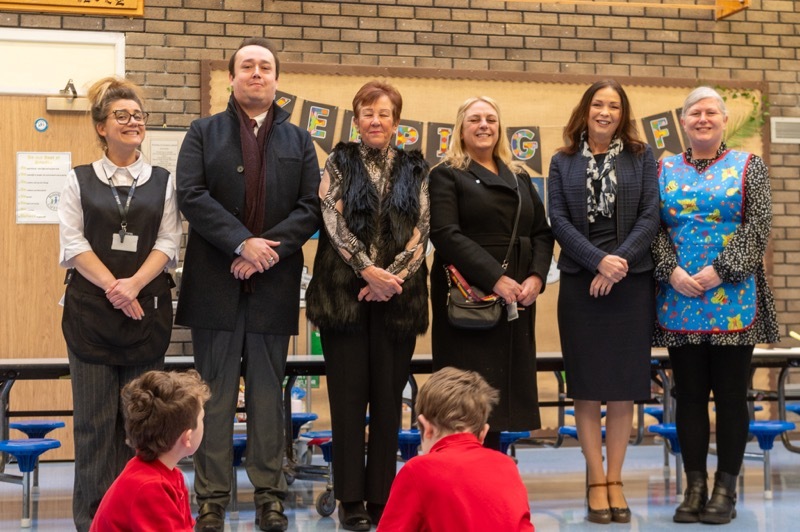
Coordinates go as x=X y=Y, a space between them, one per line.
x=123 y=117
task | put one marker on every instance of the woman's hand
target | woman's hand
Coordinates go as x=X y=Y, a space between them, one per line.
x=123 y=292
x=507 y=288
x=382 y=285
x=530 y=290
x=707 y=278
x=685 y=284
x=133 y=310
x=600 y=286
x=613 y=267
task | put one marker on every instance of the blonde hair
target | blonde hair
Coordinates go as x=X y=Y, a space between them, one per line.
x=456 y=155
x=103 y=93
x=455 y=400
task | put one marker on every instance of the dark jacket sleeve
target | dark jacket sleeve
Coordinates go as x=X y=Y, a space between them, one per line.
x=563 y=211
x=637 y=244
x=212 y=216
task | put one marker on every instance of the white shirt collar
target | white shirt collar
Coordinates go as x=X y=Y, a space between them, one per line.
x=134 y=170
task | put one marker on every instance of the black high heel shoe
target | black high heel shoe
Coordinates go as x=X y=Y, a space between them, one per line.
x=619 y=515
x=603 y=516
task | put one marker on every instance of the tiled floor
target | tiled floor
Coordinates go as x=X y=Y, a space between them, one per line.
x=554 y=478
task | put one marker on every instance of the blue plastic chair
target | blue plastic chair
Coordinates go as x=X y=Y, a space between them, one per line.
x=766 y=432
x=793 y=407
x=27 y=453
x=508 y=438
x=408 y=441
x=299 y=419
x=572 y=431
x=669 y=432
x=36 y=428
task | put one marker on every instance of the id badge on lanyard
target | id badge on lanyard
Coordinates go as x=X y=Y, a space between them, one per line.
x=123 y=240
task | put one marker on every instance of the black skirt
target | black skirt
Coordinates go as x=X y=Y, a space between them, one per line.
x=606 y=340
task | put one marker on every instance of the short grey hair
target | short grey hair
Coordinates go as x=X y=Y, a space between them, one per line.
x=701 y=93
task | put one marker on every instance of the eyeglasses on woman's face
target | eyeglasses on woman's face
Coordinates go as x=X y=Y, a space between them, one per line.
x=124 y=117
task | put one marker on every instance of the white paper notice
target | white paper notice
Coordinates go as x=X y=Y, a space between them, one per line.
x=40 y=180
x=164 y=153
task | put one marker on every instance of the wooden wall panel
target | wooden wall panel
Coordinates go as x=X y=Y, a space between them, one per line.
x=31 y=283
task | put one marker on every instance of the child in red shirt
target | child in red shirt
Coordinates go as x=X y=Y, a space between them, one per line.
x=164 y=423
x=457 y=484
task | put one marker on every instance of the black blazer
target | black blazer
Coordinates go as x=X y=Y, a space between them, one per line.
x=211 y=190
x=636 y=211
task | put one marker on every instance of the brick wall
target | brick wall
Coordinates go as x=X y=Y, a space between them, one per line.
x=759 y=44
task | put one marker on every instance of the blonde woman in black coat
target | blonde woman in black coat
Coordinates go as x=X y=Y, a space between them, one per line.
x=473 y=206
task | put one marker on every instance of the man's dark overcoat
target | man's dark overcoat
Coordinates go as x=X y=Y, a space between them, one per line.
x=211 y=195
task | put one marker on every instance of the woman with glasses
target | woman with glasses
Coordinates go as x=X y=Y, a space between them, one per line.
x=120 y=230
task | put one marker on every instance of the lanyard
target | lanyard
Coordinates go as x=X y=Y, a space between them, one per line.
x=123 y=212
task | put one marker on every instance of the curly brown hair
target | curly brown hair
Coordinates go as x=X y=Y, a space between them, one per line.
x=159 y=406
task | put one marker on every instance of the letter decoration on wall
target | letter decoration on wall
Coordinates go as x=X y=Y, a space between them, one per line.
x=409 y=135
x=525 y=146
x=285 y=101
x=319 y=119
x=439 y=136
x=662 y=133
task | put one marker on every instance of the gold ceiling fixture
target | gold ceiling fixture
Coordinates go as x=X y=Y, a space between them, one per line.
x=721 y=8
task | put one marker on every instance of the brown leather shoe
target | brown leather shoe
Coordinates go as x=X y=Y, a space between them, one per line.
x=602 y=516
x=619 y=515
x=210 y=518
x=270 y=517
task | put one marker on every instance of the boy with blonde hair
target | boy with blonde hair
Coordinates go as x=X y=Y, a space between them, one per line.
x=457 y=484
x=163 y=423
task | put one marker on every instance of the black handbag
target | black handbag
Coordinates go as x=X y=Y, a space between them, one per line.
x=467 y=306
x=465 y=313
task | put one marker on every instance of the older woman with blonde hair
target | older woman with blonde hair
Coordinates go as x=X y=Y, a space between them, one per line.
x=478 y=195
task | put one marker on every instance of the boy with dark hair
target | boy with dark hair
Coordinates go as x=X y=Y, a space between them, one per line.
x=163 y=423
x=457 y=484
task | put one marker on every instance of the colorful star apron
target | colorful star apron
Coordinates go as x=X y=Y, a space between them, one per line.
x=701 y=211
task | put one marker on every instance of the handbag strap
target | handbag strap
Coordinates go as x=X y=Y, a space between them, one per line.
x=516 y=226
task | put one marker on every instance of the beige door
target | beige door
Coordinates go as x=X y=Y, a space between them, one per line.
x=31 y=283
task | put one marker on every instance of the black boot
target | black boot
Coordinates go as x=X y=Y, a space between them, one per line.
x=694 y=498
x=721 y=508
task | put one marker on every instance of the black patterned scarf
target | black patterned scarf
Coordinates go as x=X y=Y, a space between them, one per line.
x=603 y=203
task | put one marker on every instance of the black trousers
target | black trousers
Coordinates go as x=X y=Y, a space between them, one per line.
x=699 y=370
x=365 y=367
